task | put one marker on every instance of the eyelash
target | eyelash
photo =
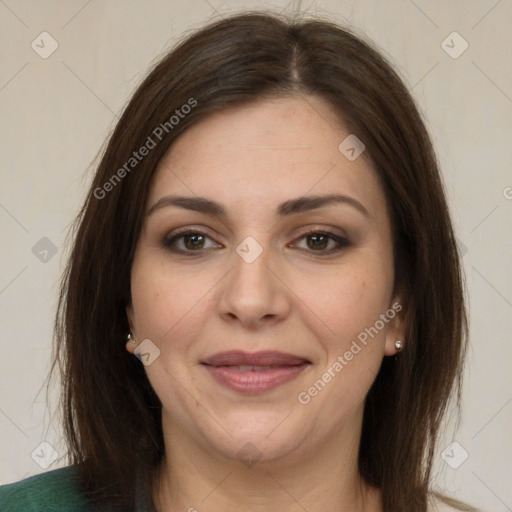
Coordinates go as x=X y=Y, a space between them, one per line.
x=169 y=242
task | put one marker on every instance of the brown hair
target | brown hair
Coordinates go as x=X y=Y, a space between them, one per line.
x=112 y=416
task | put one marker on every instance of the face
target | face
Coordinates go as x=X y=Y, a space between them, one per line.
x=263 y=281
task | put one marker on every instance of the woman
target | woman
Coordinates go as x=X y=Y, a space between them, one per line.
x=263 y=307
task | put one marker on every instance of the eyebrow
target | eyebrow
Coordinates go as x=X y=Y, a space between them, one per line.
x=290 y=207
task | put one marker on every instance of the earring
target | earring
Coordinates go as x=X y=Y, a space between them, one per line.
x=130 y=338
x=399 y=345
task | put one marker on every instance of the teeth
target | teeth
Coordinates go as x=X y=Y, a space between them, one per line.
x=249 y=368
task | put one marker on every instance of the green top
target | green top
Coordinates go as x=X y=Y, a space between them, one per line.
x=54 y=491
x=58 y=491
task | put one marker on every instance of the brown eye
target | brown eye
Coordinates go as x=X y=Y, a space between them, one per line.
x=194 y=241
x=317 y=242
x=322 y=243
x=189 y=242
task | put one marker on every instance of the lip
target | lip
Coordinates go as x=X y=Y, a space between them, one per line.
x=280 y=368
x=262 y=358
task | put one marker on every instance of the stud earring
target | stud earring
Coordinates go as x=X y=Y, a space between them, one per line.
x=399 y=345
x=130 y=338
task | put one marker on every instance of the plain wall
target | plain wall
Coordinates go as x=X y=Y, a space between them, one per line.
x=56 y=113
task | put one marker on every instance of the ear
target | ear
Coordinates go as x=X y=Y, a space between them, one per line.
x=132 y=343
x=396 y=327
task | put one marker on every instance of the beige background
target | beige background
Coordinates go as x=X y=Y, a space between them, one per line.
x=56 y=113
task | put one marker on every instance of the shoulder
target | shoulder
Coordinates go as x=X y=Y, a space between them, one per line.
x=53 y=491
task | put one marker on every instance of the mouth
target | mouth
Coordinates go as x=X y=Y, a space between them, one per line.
x=254 y=373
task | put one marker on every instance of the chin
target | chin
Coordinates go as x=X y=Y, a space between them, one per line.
x=259 y=437
x=275 y=452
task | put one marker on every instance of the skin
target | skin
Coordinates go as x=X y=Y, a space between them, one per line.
x=250 y=159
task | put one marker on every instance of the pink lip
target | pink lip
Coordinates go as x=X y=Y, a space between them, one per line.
x=224 y=369
x=263 y=358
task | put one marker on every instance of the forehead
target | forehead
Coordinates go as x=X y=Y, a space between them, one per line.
x=267 y=152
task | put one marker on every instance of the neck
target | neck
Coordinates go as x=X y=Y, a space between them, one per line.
x=196 y=478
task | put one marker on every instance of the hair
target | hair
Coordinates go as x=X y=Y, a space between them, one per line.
x=112 y=417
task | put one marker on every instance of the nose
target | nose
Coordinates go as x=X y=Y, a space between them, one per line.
x=253 y=293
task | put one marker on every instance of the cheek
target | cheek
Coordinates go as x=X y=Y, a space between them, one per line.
x=169 y=305
x=349 y=301
x=350 y=298
x=170 y=308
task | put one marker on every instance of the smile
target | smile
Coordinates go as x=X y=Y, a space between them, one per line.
x=254 y=373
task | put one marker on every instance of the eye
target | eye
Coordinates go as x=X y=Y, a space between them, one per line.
x=189 y=241
x=194 y=241
x=322 y=242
